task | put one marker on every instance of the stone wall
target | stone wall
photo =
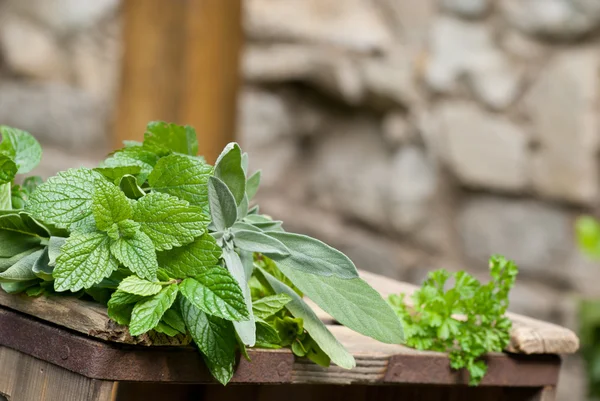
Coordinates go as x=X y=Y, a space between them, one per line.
x=412 y=135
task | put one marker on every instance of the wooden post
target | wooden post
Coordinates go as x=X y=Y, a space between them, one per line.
x=180 y=64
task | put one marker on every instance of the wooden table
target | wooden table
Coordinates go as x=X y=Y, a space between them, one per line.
x=72 y=351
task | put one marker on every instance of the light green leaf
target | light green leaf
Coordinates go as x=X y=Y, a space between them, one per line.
x=134 y=156
x=313 y=325
x=268 y=306
x=352 y=302
x=312 y=256
x=22 y=223
x=168 y=221
x=217 y=293
x=124 y=229
x=192 y=259
x=252 y=184
x=147 y=313
x=12 y=243
x=223 y=208
x=242 y=209
x=246 y=330
x=54 y=245
x=115 y=174
x=8 y=169
x=183 y=177
x=258 y=242
x=138 y=286
x=213 y=336
x=130 y=187
x=263 y=222
x=6 y=262
x=247 y=259
x=137 y=254
x=164 y=328
x=84 y=260
x=245 y=162
x=160 y=136
x=228 y=169
x=22 y=147
x=173 y=318
x=120 y=306
x=65 y=199
x=41 y=268
x=6 y=202
x=109 y=204
x=22 y=270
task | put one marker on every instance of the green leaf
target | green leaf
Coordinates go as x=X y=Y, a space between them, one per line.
x=12 y=243
x=7 y=262
x=147 y=313
x=121 y=305
x=160 y=135
x=134 y=156
x=109 y=204
x=352 y=302
x=263 y=222
x=317 y=330
x=137 y=254
x=164 y=328
x=22 y=270
x=8 y=169
x=183 y=177
x=588 y=236
x=41 y=268
x=228 y=169
x=217 y=293
x=213 y=336
x=266 y=335
x=258 y=242
x=65 y=199
x=22 y=147
x=192 y=259
x=268 y=306
x=124 y=229
x=138 y=286
x=6 y=196
x=130 y=187
x=223 y=208
x=312 y=256
x=174 y=319
x=115 y=174
x=168 y=221
x=22 y=223
x=246 y=330
x=84 y=260
x=252 y=184
x=17 y=286
x=222 y=373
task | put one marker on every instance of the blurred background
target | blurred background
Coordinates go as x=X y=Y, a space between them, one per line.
x=412 y=135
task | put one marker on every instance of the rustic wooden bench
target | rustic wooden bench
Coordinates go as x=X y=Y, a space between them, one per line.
x=61 y=348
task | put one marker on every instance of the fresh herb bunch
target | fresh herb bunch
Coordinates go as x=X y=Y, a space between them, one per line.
x=588 y=238
x=173 y=245
x=467 y=320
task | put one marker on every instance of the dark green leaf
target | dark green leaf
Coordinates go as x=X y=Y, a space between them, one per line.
x=130 y=187
x=147 y=313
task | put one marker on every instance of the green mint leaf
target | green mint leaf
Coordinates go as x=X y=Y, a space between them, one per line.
x=65 y=199
x=191 y=259
x=41 y=268
x=182 y=177
x=115 y=174
x=124 y=229
x=147 y=313
x=6 y=196
x=8 y=169
x=109 y=204
x=164 y=328
x=222 y=373
x=213 y=336
x=137 y=254
x=161 y=136
x=217 y=293
x=138 y=286
x=173 y=318
x=134 y=156
x=352 y=302
x=267 y=335
x=228 y=169
x=268 y=306
x=130 y=187
x=223 y=208
x=253 y=241
x=312 y=324
x=169 y=221
x=310 y=255
x=22 y=270
x=246 y=330
x=22 y=147
x=85 y=259
x=12 y=243
x=120 y=305
x=252 y=184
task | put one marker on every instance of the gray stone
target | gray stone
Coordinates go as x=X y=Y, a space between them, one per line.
x=389 y=81
x=57 y=159
x=562 y=104
x=536 y=236
x=524 y=47
x=572 y=381
x=31 y=50
x=352 y=24
x=467 y=8
x=483 y=150
x=397 y=129
x=583 y=273
x=534 y=300
x=56 y=114
x=556 y=19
